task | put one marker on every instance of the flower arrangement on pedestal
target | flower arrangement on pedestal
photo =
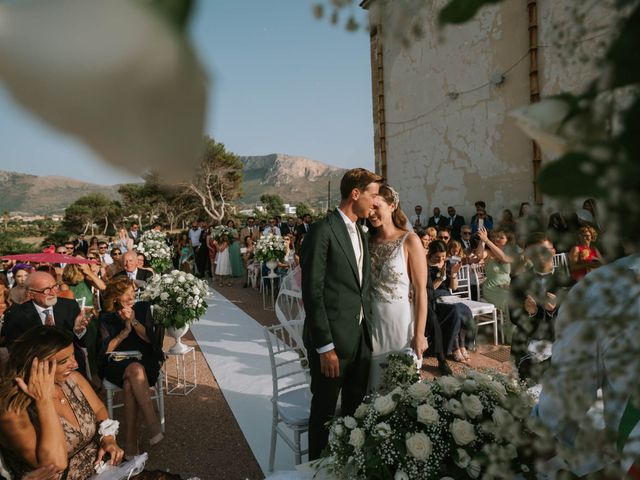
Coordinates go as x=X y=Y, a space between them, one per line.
x=220 y=230
x=466 y=426
x=179 y=300
x=270 y=247
x=153 y=245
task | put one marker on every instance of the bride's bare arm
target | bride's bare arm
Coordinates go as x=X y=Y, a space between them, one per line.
x=417 y=268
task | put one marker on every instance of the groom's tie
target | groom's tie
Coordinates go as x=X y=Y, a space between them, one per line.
x=356 y=241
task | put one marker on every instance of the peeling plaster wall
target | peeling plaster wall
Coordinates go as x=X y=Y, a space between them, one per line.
x=453 y=151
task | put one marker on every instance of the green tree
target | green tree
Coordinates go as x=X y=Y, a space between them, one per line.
x=218 y=179
x=303 y=209
x=90 y=211
x=273 y=204
x=9 y=245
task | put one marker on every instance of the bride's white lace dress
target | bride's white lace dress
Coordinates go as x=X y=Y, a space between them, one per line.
x=392 y=320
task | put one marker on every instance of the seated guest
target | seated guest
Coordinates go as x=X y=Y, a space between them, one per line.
x=20 y=273
x=455 y=319
x=142 y=263
x=455 y=253
x=468 y=240
x=444 y=234
x=49 y=414
x=583 y=256
x=105 y=258
x=436 y=220
x=63 y=288
x=44 y=307
x=131 y=269
x=536 y=295
x=127 y=325
x=480 y=205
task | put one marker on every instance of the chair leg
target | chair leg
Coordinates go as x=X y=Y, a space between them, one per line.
x=110 y=402
x=274 y=438
x=160 y=399
x=501 y=319
x=296 y=440
x=495 y=327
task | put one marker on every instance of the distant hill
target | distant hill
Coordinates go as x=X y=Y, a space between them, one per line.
x=295 y=179
x=46 y=195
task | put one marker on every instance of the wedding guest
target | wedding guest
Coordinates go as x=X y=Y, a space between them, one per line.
x=455 y=223
x=507 y=222
x=223 y=263
x=418 y=220
x=105 y=258
x=436 y=220
x=21 y=272
x=49 y=414
x=481 y=220
x=235 y=259
x=444 y=234
x=583 y=256
x=123 y=241
x=247 y=258
x=142 y=263
x=498 y=253
x=127 y=325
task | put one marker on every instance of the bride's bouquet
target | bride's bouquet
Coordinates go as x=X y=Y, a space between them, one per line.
x=466 y=426
x=153 y=245
x=270 y=247
x=179 y=298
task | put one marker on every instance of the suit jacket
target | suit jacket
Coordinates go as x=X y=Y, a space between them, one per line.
x=82 y=245
x=300 y=229
x=245 y=232
x=332 y=294
x=136 y=239
x=442 y=222
x=455 y=224
x=141 y=274
x=23 y=317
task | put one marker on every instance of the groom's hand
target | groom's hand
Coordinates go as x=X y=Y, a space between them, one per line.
x=330 y=364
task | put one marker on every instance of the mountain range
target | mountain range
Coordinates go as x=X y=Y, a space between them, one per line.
x=295 y=179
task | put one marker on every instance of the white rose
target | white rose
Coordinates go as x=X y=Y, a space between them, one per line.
x=164 y=296
x=474 y=469
x=470 y=386
x=338 y=429
x=455 y=407
x=356 y=438
x=510 y=451
x=472 y=405
x=384 y=405
x=449 y=385
x=419 y=391
x=497 y=388
x=400 y=475
x=427 y=414
x=461 y=458
x=350 y=422
x=462 y=431
x=361 y=411
x=419 y=446
x=382 y=429
x=501 y=417
x=181 y=279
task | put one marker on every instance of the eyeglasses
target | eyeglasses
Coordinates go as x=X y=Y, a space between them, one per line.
x=442 y=237
x=466 y=233
x=116 y=254
x=92 y=258
x=47 y=290
x=62 y=251
x=102 y=248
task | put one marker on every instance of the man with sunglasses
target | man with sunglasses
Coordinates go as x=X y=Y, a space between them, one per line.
x=45 y=308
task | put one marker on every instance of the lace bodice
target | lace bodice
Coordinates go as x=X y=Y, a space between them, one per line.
x=389 y=277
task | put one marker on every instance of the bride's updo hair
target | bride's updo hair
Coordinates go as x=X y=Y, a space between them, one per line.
x=390 y=196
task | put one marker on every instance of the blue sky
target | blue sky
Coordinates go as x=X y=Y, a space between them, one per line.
x=282 y=82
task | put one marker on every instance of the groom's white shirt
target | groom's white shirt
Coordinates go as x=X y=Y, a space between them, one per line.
x=356 y=243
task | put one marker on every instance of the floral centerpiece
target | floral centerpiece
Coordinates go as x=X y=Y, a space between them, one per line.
x=270 y=247
x=179 y=300
x=153 y=245
x=473 y=425
x=218 y=231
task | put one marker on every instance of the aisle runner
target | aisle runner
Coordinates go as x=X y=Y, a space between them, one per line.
x=235 y=349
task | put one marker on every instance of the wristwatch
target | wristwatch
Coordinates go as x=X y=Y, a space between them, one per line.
x=135 y=323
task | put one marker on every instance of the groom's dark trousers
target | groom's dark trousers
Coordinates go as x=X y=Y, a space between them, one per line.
x=337 y=311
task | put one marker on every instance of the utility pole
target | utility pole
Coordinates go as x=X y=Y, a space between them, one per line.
x=328 y=195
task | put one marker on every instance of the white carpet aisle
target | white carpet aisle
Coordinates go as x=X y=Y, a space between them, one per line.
x=234 y=346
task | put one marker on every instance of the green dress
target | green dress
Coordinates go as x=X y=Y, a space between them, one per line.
x=235 y=258
x=83 y=290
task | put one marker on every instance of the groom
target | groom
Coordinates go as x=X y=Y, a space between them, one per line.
x=335 y=290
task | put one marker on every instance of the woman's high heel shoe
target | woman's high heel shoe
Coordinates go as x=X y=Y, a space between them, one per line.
x=458 y=357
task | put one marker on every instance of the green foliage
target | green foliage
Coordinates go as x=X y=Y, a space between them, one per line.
x=273 y=204
x=9 y=245
x=91 y=209
x=57 y=237
x=461 y=11
x=303 y=209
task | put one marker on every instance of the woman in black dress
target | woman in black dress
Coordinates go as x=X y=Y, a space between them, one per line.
x=127 y=325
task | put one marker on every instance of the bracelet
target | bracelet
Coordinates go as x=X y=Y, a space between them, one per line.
x=108 y=428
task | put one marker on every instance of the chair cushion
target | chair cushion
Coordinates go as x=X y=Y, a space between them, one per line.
x=294 y=406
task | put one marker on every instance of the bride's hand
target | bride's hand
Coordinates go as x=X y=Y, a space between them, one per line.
x=419 y=344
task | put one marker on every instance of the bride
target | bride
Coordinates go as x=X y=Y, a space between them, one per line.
x=398 y=278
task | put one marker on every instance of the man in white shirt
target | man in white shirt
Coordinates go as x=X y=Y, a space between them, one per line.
x=272 y=228
x=336 y=293
x=418 y=220
x=103 y=254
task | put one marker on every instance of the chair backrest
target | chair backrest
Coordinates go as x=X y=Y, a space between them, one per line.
x=464 y=283
x=289 y=307
x=479 y=274
x=289 y=365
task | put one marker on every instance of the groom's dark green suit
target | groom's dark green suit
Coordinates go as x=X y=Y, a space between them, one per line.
x=334 y=299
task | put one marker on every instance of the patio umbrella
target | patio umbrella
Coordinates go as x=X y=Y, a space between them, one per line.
x=47 y=258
